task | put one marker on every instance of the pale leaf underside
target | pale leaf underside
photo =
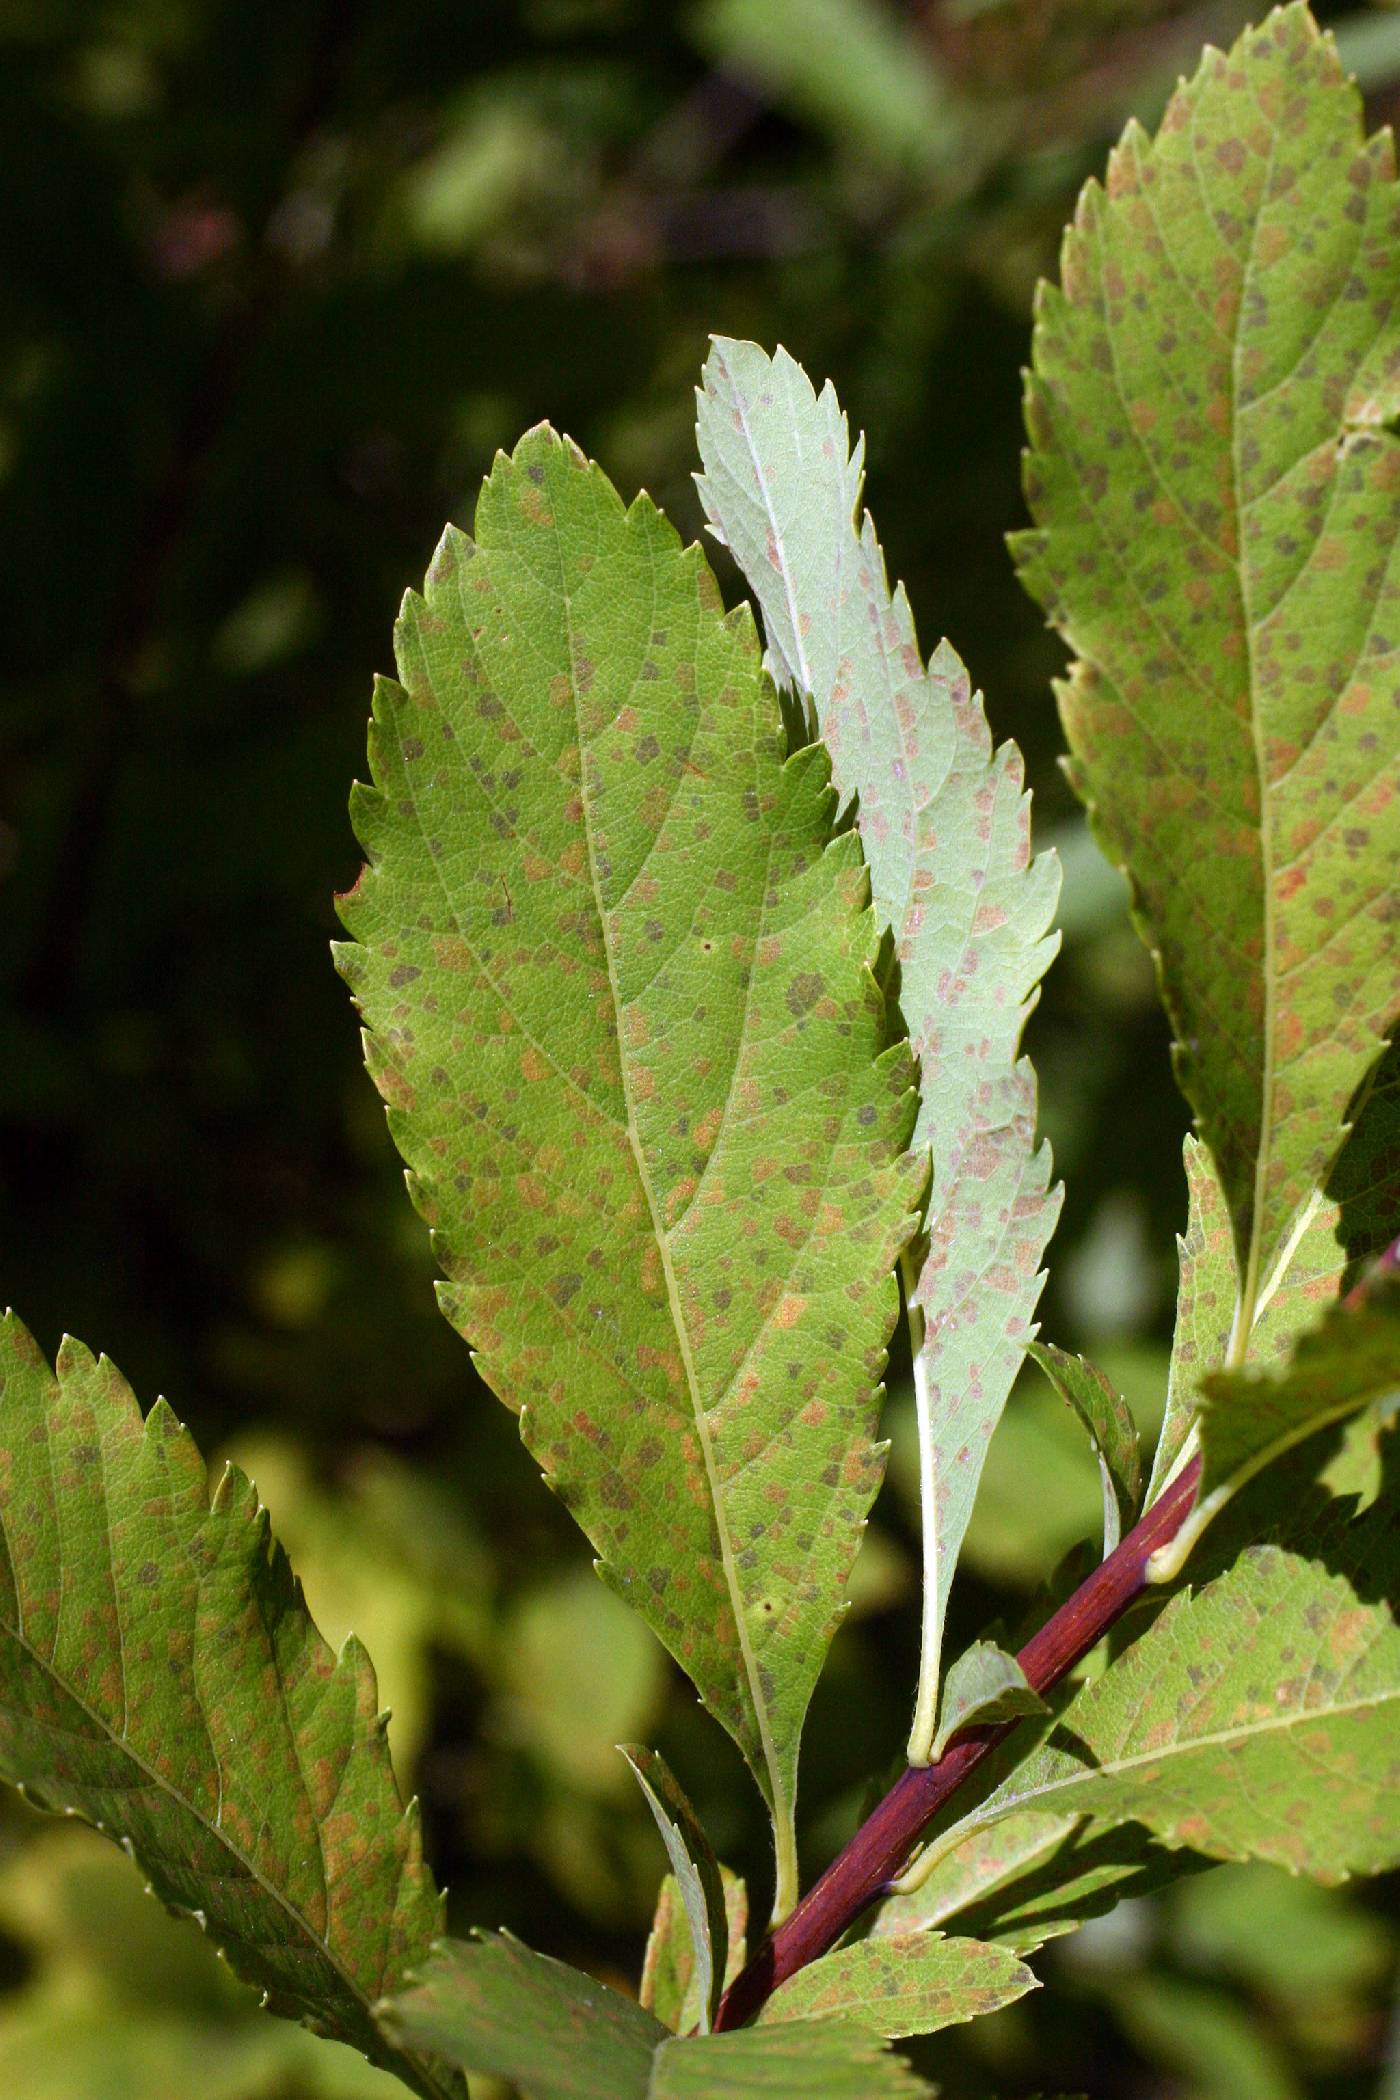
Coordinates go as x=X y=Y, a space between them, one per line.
x=617 y=986
x=1218 y=503
x=945 y=826
x=160 y=1677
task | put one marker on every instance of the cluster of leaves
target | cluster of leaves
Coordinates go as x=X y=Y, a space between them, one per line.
x=673 y=984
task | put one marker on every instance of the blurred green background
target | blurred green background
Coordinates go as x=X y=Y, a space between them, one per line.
x=280 y=276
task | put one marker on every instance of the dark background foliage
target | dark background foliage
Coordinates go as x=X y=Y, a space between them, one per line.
x=280 y=276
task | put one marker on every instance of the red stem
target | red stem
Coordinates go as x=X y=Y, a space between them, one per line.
x=884 y=1841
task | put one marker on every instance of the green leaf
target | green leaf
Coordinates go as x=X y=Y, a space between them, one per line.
x=492 y=2005
x=911 y=1985
x=1259 y=1719
x=984 y=1685
x=670 y=1983
x=160 y=1677
x=616 y=975
x=1109 y=1421
x=696 y=1872
x=1218 y=502
x=945 y=823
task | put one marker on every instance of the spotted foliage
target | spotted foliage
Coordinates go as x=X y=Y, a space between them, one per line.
x=1259 y=1719
x=900 y=1986
x=160 y=1677
x=616 y=975
x=1216 y=489
x=945 y=823
x=492 y=2005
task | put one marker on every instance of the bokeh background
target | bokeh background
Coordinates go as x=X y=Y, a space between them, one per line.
x=280 y=275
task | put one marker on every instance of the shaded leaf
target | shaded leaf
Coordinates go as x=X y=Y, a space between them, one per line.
x=160 y=1677
x=696 y=1872
x=1354 y=1217
x=984 y=1685
x=1252 y=1416
x=619 y=1000
x=837 y=2059
x=914 y=1984
x=670 y=1984
x=1086 y=1874
x=1109 y=1421
x=1258 y=1719
x=945 y=824
x=1205 y=1307
x=490 y=2004
x=1218 y=503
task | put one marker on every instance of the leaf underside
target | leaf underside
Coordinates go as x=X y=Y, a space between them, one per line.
x=161 y=1678
x=1259 y=1719
x=616 y=978
x=493 y=2005
x=945 y=825
x=1217 y=499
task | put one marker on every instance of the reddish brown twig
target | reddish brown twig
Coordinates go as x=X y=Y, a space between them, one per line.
x=884 y=1841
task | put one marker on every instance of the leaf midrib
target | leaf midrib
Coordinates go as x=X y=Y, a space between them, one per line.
x=781 y=1806
x=1220 y=1738
x=161 y=1785
x=1249 y=1281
